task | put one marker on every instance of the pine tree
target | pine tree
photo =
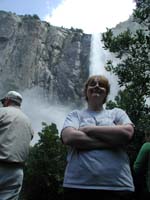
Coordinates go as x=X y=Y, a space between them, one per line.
x=133 y=71
x=45 y=167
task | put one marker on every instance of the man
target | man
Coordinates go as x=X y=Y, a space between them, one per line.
x=15 y=136
x=97 y=163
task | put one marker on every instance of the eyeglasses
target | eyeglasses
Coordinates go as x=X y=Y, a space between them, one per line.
x=96 y=83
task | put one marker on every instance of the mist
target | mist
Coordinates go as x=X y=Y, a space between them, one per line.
x=39 y=109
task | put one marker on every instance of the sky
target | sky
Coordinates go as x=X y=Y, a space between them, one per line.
x=92 y=16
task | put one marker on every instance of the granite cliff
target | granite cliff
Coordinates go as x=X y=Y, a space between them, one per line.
x=35 y=53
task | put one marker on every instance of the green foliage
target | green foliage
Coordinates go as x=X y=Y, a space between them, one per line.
x=45 y=167
x=119 y=44
x=36 y=17
x=133 y=71
x=141 y=14
x=76 y=30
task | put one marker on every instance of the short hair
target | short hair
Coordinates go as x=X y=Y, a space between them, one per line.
x=104 y=82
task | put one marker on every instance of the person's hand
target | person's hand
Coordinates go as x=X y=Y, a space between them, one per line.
x=85 y=129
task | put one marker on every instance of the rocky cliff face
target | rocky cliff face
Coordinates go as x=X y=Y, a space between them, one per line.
x=34 y=53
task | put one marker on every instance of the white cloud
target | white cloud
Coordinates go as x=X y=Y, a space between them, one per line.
x=91 y=15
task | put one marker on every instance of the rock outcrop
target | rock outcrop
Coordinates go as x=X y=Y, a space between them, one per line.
x=35 y=53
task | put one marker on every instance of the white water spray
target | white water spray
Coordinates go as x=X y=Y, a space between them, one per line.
x=97 y=56
x=98 y=60
x=39 y=110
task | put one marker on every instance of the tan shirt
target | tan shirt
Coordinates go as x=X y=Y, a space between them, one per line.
x=15 y=135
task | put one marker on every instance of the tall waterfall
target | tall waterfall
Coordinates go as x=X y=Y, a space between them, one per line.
x=97 y=56
x=98 y=59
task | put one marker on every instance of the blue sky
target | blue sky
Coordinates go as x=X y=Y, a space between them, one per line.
x=21 y=7
x=89 y=15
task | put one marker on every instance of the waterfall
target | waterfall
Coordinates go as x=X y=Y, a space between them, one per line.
x=98 y=59
x=97 y=56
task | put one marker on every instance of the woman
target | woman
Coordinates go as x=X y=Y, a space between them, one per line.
x=142 y=170
x=97 y=164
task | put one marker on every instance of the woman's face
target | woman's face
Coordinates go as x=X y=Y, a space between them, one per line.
x=96 y=89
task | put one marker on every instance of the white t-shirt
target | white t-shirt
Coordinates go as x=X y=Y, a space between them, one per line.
x=98 y=169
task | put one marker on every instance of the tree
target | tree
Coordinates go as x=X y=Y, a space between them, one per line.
x=45 y=167
x=133 y=71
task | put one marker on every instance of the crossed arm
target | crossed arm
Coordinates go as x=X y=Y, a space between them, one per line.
x=98 y=137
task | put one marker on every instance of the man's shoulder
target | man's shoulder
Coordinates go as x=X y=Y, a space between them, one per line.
x=16 y=111
x=146 y=145
x=4 y=110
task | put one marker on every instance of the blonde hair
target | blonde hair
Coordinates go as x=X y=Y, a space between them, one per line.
x=104 y=82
